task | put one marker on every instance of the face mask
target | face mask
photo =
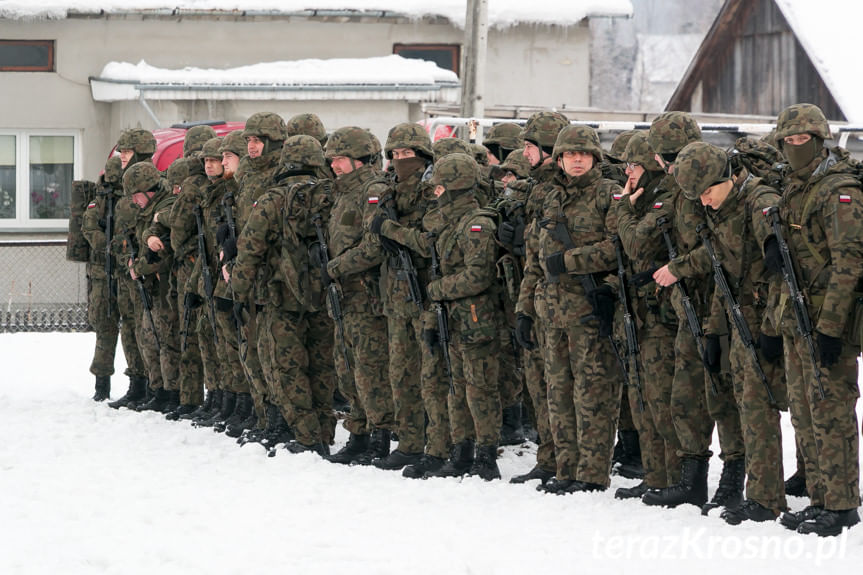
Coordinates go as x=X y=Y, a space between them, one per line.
x=406 y=167
x=802 y=155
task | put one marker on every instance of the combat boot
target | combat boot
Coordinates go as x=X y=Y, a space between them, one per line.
x=631 y=492
x=536 y=473
x=356 y=445
x=485 y=463
x=172 y=401
x=156 y=402
x=396 y=460
x=136 y=392
x=792 y=519
x=212 y=400
x=829 y=523
x=229 y=401
x=237 y=430
x=379 y=447
x=749 y=510
x=103 y=388
x=796 y=485
x=629 y=459
x=180 y=411
x=459 y=463
x=729 y=492
x=277 y=431
x=426 y=464
x=692 y=487
x=320 y=448
x=257 y=434
x=555 y=486
x=511 y=430
x=583 y=487
x=242 y=409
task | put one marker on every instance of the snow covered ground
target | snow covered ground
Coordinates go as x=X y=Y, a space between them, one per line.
x=87 y=489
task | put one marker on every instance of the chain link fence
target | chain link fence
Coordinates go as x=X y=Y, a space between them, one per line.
x=39 y=289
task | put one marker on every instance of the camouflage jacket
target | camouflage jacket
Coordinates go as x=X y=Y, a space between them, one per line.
x=95 y=216
x=156 y=274
x=211 y=217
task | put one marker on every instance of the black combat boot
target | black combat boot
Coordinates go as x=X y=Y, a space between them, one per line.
x=729 y=492
x=631 y=492
x=582 y=487
x=485 y=463
x=242 y=408
x=796 y=485
x=692 y=487
x=511 y=430
x=156 y=402
x=426 y=464
x=251 y=422
x=459 y=462
x=257 y=434
x=320 y=448
x=396 y=460
x=356 y=445
x=212 y=401
x=830 y=523
x=229 y=401
x=536 y=473
x=103 y=388
x=792 y=519
x=379 y=447
x=556 y=486
x=136 y=392
x=172 y=401
x=749 y=510
x=180 y=411
x=628 y=463
x=277 y=432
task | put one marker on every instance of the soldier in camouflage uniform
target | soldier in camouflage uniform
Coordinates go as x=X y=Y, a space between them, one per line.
x=695 y=403
x=573 y=243
x=613 y=165
x=736 y=203
x=355 y=255
x=501 y=140
x=309 y=125
x=820 y=210
x=280 y=234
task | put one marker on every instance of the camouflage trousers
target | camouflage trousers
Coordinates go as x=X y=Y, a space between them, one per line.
x=583 y=402
x=191 y=368
x=146 y=338
x=303 y=369
x=129 y=328
x=511 y=376
x=435 y=393
x=211 y=346
x=355 y=421
x=366 y=340
x=249 y=356
x=825 y=429
x=762 y=436
x=405 y=381
x=537 y=388
x=234 y=375
x=657 y=435
x=474 y=407
x=107 y=327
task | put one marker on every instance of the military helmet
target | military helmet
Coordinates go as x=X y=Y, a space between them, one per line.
x=377 y=149
x=754 y=154
x=408 y=135
x=516 y=163
x=456 y=171
x=618 y=146
x=802 y=119
x=114 y=170
x=506 y=135
x=235 y=143
x=309 y=125
x=212 y=148
x=480 y=154
x=671 y=131
x=178 y=171
x=638 y=151
x=447 y=146
x=139 y=140
x=141 y=177
x=266 y=125
x=542 y=128
x=196 y=137
x=699 y=166
x=350 y=141
x=302 y=151
x=577 y=139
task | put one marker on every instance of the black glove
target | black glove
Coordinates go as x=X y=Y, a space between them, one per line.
x=239 y=310
x=524 y=331
x=229 y=248
x=103 y=225
x=152 y=257
x=602 y=301
x=771 y=348
x=712 y=353
x=641 y=279
x=430 y=338
x=392 y=247
x=223 y=232
x=555 y=264
x=512 y=234
x=772 y=256
x=192 y=300
x=377 y=224
x=830 y=348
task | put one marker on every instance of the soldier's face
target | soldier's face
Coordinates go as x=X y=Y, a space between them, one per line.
x=213 y=167
x=439 y=190
x=576 y=163
x=342 y=165
x=715 y=195
x=254 y=146
x=126 y=157
x=141 y=199
x=230 y=162
x=532 y=153
x=797 y=139
x=403 y=153
x=508 y=177
x=634 y=173
x=492 y=159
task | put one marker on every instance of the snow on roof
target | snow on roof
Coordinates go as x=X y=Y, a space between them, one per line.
x=829 y=32
x=501 y=13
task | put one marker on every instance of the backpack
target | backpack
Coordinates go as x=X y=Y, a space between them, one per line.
x=77 y=247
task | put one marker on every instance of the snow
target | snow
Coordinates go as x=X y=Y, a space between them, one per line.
x=501 y=13
x=660 y=64
x=85 y=489
x=829 y=32
x=391 y=69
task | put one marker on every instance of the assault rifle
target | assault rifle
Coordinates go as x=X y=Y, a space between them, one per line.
x=733 y=307
x=333 y=296
x=664 y=225
x=804 y=323
x=442 y=323
x=628 y=323
x=109 y=256
x=228 y=211
x=146 y=302
x=205 y=271
x=407 y=271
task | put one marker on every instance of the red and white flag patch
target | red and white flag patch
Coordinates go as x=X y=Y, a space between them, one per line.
x=373 y=199
x=616 y=196
x=476 y=228
x=844 y=199
x=657 y=205
x=91 y=205
x=764 y=211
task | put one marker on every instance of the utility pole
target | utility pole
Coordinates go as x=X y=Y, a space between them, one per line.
x=475 y=44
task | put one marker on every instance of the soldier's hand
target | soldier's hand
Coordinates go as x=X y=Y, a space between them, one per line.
x=772 y=256
x=239 y=312
x=392 y=247
x=155 y=244
x=434 y=290
x=192 y=300
x=602 y=301
x=151 y=256
x=226 y=275
x=524 y=332
x=103 y=225
x=641 y=279
x=555 y=264
x=223 y=232
x=377 y=224
x=131 y=267
x=771 y=348
x=664 y=277
x=506 y=233
x=229 y=249
x=829 y=347
x=712 y=353
x=430 y=338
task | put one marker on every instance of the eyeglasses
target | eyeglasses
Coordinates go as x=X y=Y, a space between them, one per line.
x=632 y=165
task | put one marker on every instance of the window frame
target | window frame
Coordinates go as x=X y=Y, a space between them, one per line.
x=22 y=222
x=50 y=67
x=453 y=49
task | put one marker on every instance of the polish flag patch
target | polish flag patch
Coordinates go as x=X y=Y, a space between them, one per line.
x=843 y=199
x=476 y=228
x=255 y=204
x=373 y=199
x=616 y=196
x=765 y=211
x=91 y=205
x=657 y=205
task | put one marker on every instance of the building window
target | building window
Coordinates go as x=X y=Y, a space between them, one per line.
x=36 y=174
x=446 y=56
x=26 y=55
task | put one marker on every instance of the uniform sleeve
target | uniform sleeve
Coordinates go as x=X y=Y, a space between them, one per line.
x=253 y=243
x=765 y=198
x=600 y=256
x=90 y=228
x=532 y=271
x=414 y=239
x=476 y=241
x=694 y=264
x=368 y=253
x=641 y=238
